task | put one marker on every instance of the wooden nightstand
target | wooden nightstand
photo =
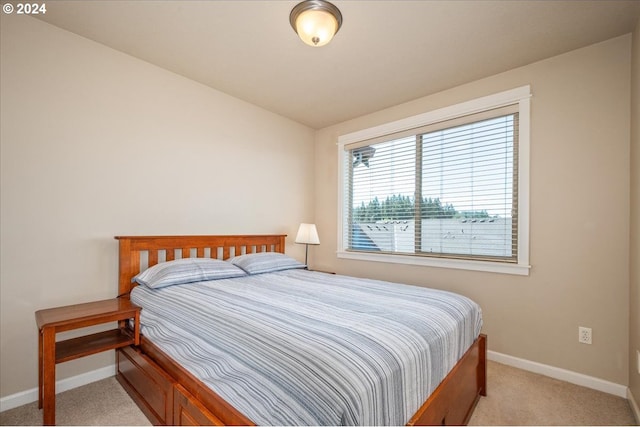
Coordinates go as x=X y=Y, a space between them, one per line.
x=53 y=320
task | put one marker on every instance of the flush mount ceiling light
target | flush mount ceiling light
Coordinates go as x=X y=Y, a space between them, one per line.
x=315 y=21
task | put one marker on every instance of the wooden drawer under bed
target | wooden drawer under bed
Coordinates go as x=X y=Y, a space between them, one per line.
x=149 y=386
x=187 y=411
x=163 y=400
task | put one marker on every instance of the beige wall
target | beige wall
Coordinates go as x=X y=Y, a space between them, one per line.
x=634 y=287
x=579 y=240
x=95 y=144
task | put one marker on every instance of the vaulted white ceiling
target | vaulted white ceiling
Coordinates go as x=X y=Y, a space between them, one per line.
x=386 y=53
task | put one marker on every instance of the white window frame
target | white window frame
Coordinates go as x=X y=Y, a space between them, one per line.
x=520 y=96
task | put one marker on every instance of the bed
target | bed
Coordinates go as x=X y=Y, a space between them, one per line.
x=173 y=386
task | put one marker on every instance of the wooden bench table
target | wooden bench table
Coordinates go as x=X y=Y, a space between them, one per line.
x=53 y=320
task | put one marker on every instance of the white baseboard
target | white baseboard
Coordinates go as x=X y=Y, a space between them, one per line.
x=28 y=396
x=634 y=405
x=560 y=374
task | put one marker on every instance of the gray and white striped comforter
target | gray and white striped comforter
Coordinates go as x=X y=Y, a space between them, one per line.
x=305 y=348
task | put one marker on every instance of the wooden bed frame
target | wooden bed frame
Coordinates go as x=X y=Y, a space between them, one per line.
x=169 y=395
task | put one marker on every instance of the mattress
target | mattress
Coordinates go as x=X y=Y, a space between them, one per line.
x=298 y=347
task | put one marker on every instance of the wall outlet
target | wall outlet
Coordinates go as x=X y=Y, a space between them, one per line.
x=584 y=335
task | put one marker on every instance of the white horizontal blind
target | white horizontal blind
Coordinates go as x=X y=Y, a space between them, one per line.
x=449 y=190
x=383 y=178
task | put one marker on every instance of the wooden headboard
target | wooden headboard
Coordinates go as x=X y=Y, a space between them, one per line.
x=134 y=249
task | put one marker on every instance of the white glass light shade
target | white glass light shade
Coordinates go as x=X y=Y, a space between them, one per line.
x=308 y=234
x=316 y=27
x=315 y=21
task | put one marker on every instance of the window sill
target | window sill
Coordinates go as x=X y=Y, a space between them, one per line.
x=487 y=266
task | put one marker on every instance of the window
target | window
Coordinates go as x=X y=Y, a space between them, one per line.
x=447 y=188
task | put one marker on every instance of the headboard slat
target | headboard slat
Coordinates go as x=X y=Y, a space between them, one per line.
x=130 y=248
x=153 y=258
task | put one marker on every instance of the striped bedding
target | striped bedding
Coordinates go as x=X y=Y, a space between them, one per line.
x=298 y=347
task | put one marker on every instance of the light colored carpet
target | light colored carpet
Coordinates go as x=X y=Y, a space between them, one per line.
x=102 y=403
x=515 y=397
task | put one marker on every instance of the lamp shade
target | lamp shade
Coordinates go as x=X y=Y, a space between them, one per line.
x=308 y=234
